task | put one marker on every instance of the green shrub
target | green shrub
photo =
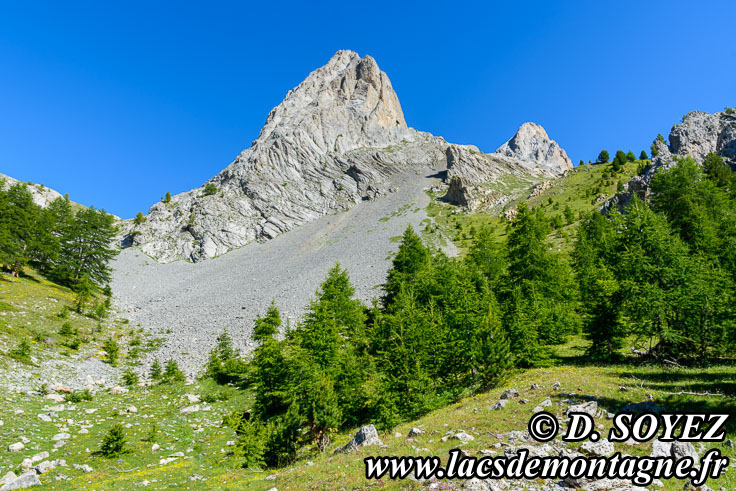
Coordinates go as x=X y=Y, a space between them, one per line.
x=22 y=352
x=172 y=373
x=139 y=219
x=152 y=434
x=112 y=349
x=209 y=189
x=113 y=444
x=99 y=310
x=213 y=397
x=79 y=396
x=67 y=330
x=73 y=343
x=156 y=371
x=130 y=378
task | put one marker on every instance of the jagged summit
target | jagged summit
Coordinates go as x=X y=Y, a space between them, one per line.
x=336 y=139
x=346 y=104
x=531 y=144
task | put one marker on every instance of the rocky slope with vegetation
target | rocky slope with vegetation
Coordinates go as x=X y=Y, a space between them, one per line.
x=524 y=298
x=335 y=140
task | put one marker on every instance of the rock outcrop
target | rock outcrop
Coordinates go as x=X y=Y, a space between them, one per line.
x=532 y=145
x=42 y=195
x=335 y=139
x=698 y=135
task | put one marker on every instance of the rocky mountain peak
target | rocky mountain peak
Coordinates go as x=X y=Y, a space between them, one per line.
x=346 y=104
x=337 y=138
x=532 y=144
x=309 y=160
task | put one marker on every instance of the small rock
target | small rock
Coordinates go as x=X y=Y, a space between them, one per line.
x=8 y=477
x=679 y=450
x=192 y=398
x=40 y=456
x=230 y=443
x=463 y=437
x=510 y=394
x=44 y=417
x=16 y=447
x=416 y=432
x=590 y=408
x=166 y=461
x=64 y=389
x=190 y=409
x=499 y=405
x=22 y=482
x=61 y=436
x=54 y=397
x=601 y=448
x=132 y=410
x=155 y=447
x=45 y=466
x=556 y=386
x=367 y=435
x=534 y=386
x=83 y=467
x=118 y=390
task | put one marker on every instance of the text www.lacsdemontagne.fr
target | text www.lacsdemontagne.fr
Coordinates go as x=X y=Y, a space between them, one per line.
x=639 y=470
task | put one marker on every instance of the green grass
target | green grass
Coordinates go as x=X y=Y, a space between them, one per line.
x=573 y=191
x=208 y=461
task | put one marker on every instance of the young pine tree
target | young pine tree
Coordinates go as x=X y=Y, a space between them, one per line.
x=494 y=351
x=113 y=444
x=267 y=326
x=411 y=257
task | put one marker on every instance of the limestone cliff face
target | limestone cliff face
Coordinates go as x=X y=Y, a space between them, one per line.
x=698 y=135
x=532 y=145
x=335 y=139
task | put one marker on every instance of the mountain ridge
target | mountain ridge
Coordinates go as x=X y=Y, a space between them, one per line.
x=335 y=140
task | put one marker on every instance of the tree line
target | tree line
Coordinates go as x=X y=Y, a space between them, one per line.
x=71 y=248
x=443 y=329
x=659 y=276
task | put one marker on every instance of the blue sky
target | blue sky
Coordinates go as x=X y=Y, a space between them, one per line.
x=116 y=103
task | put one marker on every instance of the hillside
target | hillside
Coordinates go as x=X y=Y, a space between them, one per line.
x=608 y=284
x=174 y=440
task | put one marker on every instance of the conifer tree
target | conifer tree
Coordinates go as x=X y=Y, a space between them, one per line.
x=19 y=224
x=267 y=326
x=643 y=155
x=603 y=156
x=86 y=248
x=494 y=351
x=411 y=257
